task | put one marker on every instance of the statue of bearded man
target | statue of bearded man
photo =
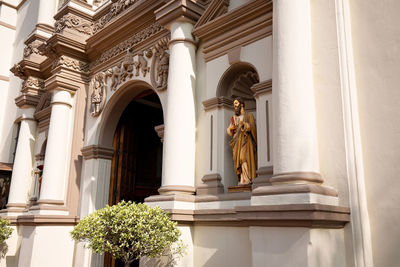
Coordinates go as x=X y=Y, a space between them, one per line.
x=242 y=129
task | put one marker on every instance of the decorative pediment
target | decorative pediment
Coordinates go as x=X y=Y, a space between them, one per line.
x=213 y=11
x=222 y=33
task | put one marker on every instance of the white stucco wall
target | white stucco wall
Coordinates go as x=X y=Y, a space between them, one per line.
x=46 y=246
x=222 y=246
x=376 y=43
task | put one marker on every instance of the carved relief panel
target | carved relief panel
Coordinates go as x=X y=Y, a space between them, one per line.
x=97 y=93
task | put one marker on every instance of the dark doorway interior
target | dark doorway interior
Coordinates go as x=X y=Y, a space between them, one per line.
x=137 y=160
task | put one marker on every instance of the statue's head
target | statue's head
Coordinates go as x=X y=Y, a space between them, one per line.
x=238 y=105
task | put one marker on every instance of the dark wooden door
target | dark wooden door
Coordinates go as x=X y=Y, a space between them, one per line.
x=137 y=160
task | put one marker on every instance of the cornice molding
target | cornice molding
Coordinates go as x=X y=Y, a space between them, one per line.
x=97 y=152
x=217 y=103
x=262 y=88
x=25 y=100
x=183 y=10
x=216 y=9
x=59 y=81
x=239 y=27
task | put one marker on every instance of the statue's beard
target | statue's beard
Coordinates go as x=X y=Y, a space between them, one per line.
x=237 y=111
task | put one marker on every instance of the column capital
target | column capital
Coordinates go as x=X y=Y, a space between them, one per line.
x=31 y=91
x=59 y=82
x=180 y=10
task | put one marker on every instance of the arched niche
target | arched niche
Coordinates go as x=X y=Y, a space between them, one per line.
x=237 y=82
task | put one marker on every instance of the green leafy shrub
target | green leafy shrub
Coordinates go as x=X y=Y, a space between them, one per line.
x=5 y=233
x=129 y=231
x=5 y=230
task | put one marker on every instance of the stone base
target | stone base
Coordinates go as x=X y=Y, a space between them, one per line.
x=239 y=188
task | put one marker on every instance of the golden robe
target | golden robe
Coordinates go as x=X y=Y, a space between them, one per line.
x=244 y=146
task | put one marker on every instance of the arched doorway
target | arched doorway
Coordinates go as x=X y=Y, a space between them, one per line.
x=137 y=161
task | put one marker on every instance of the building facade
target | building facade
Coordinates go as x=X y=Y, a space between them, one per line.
x=130 y=99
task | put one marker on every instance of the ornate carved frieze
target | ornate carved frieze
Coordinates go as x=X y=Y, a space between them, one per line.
x=31 y=91
x=33 y=48
x=132 y=41
x=160 y=64
x=128 y=68
x=98 y=93
x=117 y=8
x=73 y=22
x=71 y=63
x=33 y=82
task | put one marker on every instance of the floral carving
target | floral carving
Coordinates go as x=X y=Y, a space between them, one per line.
x=98 y=93
x=71 y=63
x=33 y=48
x=33 y=82
x=160 y=64
x=116 y=9
x=74 y=22
x=135 y=39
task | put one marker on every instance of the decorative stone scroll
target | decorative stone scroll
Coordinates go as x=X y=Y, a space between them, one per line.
x=18 y=71
x=98 y=93
x=130 y=42
x=71 y=63
x=33 y=48
x=160 y=64
x=73 y=22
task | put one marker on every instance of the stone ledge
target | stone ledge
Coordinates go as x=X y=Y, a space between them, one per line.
x=40 y=220
x=294 y=215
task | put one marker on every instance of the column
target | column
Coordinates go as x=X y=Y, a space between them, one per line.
x=57 y=150
x=22 y=170
x=179 y=139
x=295 y=147
x=46 y=12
